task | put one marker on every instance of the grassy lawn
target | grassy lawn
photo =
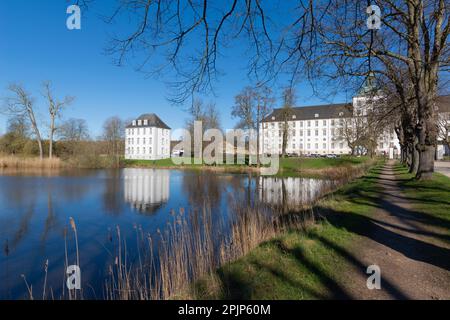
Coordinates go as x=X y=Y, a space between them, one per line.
x=320 y=163
x=301 y=264
x=432 y=197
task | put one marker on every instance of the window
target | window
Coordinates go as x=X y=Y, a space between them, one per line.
x=294 y=117
x=341 y=145
x=324 y=146
x=317 y=146
x=332 y=145
x=301 y=124
x=309 y=123
x=316 y=132
x=301 y=132
x=137 y=140
x=309 y=145
x=324 y=122
x=301 y=145
x=139 y=122
x=143 y=150
x=317 y=123
x=316 y=115
x=137 y=150
x=293 y=146
x=134 y=122
x=309 y=133
x=273 y=118
x=145 y=122
x=332 y=122
x=324 y=132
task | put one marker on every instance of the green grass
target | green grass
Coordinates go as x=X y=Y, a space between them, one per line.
x=320 y=163
x=301 y=264
x=429 y=197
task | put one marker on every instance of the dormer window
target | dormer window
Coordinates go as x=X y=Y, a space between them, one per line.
x=273 y=118
x=145 y=122
x=134 y=122
x=139 y=122
x=341 y=114
x=316 y=115
x=294 y=117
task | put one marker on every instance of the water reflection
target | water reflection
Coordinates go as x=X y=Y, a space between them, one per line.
x=291 y=191
x=146 y=189
x=36 y=206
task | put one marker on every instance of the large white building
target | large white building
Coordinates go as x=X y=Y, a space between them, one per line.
x=147 y=138
x=318 y=129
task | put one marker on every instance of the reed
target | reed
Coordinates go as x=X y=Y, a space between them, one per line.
x=16 y=162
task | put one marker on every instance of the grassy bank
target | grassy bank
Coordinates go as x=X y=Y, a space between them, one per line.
x=306 y=167
x=306 y=264
x=314 y=263
x=431 y=198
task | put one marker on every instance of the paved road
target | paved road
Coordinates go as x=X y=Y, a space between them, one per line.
x=442 y=167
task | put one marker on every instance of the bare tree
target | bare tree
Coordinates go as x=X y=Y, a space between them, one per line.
x=321 y=39
x=250 y=107
x=113 y=134
x=55 y=108
x=73 y=130
x=21 y=104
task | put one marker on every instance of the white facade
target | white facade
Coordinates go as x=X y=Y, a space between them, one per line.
x=146 y=189
x=319 y=131
x=147 y=138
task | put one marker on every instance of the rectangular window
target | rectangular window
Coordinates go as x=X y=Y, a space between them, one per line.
x=317 y=146
x=317 y=123
x=324 y=122
x=309 y=133
x=309 y=123
x=324 y=146
x=324 y=132
x=316 y=132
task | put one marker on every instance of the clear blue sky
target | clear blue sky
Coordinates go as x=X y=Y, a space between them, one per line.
x=35 y=45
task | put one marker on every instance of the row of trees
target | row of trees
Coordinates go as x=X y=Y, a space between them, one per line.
x=24 y=134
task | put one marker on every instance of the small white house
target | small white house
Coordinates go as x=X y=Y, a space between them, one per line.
x=147 y=138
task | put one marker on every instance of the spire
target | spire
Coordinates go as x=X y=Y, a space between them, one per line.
x=369 y=85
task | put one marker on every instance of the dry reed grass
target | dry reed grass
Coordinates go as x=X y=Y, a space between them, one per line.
x=35 y=163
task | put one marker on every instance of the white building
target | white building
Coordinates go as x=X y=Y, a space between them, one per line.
x=318 y=129
x=147 y=138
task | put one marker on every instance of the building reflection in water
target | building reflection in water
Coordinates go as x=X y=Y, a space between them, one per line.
x=146 y=190
x=291 y=190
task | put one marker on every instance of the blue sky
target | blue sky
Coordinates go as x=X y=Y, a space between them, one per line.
x=35 y=45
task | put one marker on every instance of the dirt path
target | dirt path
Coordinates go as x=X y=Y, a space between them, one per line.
x=412 y=253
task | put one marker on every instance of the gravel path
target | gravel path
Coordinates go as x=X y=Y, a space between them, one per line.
x=412 y=253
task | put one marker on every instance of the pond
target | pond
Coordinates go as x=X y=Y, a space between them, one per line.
x=35 y=208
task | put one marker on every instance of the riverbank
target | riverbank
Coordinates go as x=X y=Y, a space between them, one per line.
x=332 y=168
x=356 y=228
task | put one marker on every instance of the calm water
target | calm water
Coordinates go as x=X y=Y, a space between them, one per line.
x=35 y=208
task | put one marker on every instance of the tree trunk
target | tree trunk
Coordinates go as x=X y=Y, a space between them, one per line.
x=50 y=140
x=426 y=131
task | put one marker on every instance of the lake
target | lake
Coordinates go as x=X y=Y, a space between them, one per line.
x=35 y=208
